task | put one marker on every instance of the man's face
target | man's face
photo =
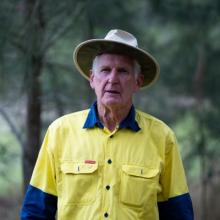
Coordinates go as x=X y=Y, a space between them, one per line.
x=114 y=80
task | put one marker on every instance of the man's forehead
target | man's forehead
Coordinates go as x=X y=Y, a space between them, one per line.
x=117 y=58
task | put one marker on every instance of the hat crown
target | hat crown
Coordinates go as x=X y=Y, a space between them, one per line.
x=122 y=37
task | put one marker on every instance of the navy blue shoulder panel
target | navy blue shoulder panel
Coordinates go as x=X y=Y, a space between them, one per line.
x=38 y=205
x=176 y=208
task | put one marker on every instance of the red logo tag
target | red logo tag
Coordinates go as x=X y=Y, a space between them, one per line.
x=90 y=161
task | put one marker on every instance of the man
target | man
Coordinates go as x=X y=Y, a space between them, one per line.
x=111 y=161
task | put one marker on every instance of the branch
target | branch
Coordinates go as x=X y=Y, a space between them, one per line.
x=59 y=65
x=63 y=28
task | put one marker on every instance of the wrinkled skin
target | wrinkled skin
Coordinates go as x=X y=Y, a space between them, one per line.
x=114 y=83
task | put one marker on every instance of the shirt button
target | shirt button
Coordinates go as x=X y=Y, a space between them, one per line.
x=109 y=161
x=108 y=187
x=106 y=215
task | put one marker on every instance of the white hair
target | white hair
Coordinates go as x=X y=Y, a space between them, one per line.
x=136 y=66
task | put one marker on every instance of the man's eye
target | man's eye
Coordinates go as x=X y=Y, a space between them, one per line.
x=122 y=70
x=105 y=70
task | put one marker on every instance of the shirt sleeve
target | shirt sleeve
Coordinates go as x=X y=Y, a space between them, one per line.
x=40 y=201
x=174 y=202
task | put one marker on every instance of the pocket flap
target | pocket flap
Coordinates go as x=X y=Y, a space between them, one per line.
x=77 y=168
x=144 y=172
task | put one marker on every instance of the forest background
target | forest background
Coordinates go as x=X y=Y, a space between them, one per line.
x=38 y=81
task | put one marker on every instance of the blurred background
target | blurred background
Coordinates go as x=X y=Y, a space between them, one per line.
x=38 y=81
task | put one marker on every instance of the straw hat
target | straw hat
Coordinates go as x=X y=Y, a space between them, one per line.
x=118 y=42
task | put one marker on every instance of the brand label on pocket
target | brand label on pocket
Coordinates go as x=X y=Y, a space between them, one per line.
x=90 y=161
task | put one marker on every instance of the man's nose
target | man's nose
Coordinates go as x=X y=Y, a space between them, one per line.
x=113 y=76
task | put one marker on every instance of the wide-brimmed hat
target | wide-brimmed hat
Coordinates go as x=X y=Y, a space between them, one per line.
x=118 y=42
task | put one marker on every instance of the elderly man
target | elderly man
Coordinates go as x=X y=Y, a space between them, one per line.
x=111 y=161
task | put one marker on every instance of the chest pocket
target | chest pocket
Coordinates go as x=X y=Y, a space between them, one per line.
x=139 y=185
x=79 y=183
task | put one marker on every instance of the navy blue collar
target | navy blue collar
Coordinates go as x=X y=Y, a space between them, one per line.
x=93 y=120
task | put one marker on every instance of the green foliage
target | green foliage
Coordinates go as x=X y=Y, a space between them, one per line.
x=10 y=159
x=182 y=35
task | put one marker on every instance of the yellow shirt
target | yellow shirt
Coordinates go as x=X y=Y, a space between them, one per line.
x=96 y=174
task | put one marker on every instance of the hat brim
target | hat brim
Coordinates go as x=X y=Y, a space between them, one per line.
x=85 y=52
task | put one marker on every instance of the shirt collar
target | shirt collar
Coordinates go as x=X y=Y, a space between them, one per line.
x=93 y=120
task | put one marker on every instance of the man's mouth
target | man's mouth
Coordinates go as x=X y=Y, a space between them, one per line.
x=112 y=91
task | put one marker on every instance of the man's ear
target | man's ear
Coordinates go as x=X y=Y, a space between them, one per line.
x=91 y=76
x=139 y=81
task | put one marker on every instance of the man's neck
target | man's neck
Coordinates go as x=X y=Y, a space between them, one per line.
x=112 y=116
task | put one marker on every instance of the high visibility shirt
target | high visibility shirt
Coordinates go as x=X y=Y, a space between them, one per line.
x=86 y=172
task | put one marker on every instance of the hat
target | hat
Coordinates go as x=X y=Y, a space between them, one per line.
x=118 y=42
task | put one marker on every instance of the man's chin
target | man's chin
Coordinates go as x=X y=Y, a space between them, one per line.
x=113 y=103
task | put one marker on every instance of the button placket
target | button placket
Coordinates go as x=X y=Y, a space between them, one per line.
x=108 y=180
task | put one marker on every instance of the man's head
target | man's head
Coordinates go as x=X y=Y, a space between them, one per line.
x=136 y=65
x=116 y=42
x=115 y=78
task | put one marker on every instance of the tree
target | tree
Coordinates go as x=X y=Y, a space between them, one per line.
x=31 y=40
x=38 y=27
x=197 y=35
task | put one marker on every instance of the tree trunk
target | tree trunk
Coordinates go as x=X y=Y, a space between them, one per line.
x=33 y=122
x=201 y=146
x=204 y=177
x=34 y=64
